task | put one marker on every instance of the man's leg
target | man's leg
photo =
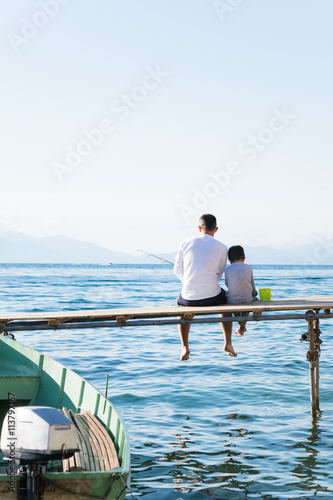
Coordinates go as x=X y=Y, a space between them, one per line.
x=184 y=330
x=227 y=331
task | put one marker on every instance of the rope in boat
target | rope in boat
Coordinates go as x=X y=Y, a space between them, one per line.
x=125 y=488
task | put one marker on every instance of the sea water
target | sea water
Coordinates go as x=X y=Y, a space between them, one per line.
x=213 y=426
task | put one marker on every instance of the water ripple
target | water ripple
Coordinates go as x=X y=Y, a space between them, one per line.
x=211 y=428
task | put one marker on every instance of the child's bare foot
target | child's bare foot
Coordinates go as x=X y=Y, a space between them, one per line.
x=240 y=332
x=185 y=354
x=230 y=350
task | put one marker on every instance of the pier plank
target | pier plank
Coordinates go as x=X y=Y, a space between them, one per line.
x=122 y=314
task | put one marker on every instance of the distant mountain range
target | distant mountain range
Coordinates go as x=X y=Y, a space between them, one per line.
x=24 y=249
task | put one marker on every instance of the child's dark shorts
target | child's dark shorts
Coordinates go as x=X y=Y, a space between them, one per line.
x=218 y=300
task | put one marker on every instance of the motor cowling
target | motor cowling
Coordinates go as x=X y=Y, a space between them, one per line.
x=37 y=434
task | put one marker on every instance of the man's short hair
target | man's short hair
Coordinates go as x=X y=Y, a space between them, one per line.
x=208 y=222
x=236 y=253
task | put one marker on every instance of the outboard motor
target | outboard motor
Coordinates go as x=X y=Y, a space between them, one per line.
x=32 y=436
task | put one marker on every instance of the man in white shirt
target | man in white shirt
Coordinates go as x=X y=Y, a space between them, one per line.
x=200 y=263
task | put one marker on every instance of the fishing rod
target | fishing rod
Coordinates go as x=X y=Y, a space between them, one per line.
x=156 y=257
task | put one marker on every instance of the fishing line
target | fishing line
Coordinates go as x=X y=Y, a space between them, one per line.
x=156 y=256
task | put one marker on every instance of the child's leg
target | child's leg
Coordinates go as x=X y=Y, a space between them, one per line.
x=227 y=331
x=242 y=325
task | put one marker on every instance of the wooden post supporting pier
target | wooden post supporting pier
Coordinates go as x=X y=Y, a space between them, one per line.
x=317 y=346
x=313 y=355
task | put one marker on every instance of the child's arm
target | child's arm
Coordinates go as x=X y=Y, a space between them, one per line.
x=254 y=291
x=226 y=277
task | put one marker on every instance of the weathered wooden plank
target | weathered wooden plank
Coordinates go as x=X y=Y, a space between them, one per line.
x=97 y=450
x=170 y=311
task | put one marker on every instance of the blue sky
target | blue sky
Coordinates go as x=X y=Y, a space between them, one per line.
x=121 y=122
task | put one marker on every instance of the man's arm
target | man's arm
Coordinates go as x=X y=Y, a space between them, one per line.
x=178 y=268
x=223 y=262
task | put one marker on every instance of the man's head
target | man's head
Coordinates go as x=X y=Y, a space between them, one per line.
x=208 y=224
x=236 y=254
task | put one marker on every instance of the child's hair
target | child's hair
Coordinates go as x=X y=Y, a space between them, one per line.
x=236 y=253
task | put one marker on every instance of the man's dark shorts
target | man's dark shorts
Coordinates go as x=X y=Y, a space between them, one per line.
x=218 y=300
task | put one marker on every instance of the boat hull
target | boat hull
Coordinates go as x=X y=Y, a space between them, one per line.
x=28 y=377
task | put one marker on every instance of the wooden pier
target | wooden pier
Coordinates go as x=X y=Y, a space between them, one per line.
x=311 y=310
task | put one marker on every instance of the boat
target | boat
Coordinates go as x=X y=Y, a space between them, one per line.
x=98 y=467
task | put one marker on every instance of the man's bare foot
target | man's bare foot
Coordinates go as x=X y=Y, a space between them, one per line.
x=240 y=332
x=185 y=354
x=230 y=350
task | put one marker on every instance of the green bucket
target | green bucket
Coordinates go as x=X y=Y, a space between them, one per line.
x=265 y=294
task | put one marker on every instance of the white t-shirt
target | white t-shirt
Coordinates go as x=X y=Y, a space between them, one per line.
x=199 y=264
x=240 y=283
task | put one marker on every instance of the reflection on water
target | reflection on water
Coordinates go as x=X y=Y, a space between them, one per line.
x=229 y=473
